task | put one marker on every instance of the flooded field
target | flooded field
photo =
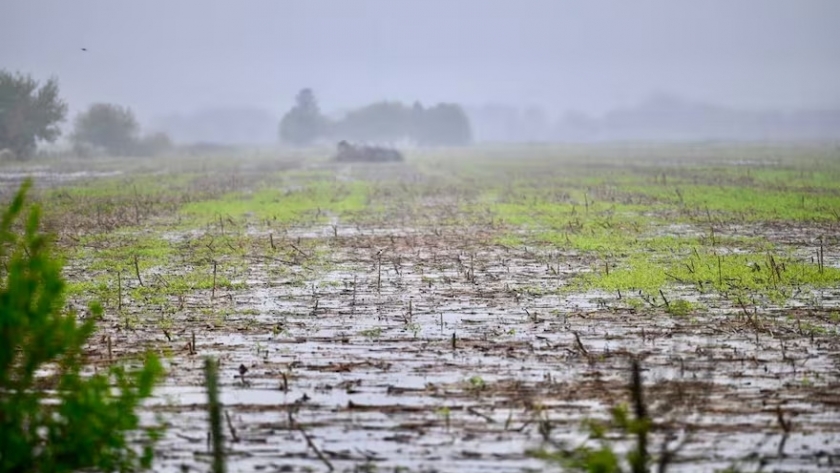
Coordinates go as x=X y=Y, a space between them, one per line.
x=475 y=310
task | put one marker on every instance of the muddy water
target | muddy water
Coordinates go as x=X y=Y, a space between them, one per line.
x=44 y=175
x=443 y=354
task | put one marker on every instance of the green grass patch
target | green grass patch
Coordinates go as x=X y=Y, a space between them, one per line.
x=746 y=203
x=737 y=276
x=313 y=202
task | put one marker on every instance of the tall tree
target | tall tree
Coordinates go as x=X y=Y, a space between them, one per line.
x=303 y=124
x=380 y=121
x=107 y=126
x=444 y=124
x=29 y=112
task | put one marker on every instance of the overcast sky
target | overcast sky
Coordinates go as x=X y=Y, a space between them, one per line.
x=163 y=56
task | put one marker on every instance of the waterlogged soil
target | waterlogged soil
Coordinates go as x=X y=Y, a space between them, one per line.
x=430 y=347
x=10 y=178
x=441 y=355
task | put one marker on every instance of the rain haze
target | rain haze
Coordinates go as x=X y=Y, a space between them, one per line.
x=454 y=236
x=543 y=59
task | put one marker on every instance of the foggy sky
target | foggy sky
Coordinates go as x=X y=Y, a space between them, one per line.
x=164 y=56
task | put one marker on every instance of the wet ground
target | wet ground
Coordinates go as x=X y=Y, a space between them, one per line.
x=444 y=354
x=432 y=347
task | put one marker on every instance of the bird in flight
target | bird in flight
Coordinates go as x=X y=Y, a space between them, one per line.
x=84 y=49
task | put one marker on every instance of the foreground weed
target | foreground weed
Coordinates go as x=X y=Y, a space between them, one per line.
x=214 y=408
x=65 y=421
x=603 y=458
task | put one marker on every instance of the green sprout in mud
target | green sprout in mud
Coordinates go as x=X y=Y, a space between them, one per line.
x=367 y=467
x=635 y=303
x=414 y=328
x=680 y=308
x=476 y=383
x=166 y=323
x=277 y=330
x=260 y=350
x=375 y=332
x=811 y=328
x=446 y=413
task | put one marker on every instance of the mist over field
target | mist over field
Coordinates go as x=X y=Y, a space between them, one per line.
x=420 y=235
x=540 y=70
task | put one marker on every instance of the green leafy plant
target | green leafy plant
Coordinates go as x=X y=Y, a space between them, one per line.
x=602 y=457
x=680 y=308
x=375 y=332
x=477 y=383
x=52 y=417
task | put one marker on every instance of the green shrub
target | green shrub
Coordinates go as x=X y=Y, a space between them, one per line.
x=52 y=418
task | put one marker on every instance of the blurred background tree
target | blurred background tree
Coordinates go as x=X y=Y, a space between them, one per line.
x=110 y=127
x=445 y=124
x=303 y=124
x=441 y=125
x=29 y=112
x=377 y=122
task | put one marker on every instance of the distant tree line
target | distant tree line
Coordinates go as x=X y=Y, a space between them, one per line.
x=672 y=118
x=444 y=124
x=113 y=130
x=659 y=117
x=30 y=112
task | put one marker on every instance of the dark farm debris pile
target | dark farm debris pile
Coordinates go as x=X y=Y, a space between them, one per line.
x=349 y=153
